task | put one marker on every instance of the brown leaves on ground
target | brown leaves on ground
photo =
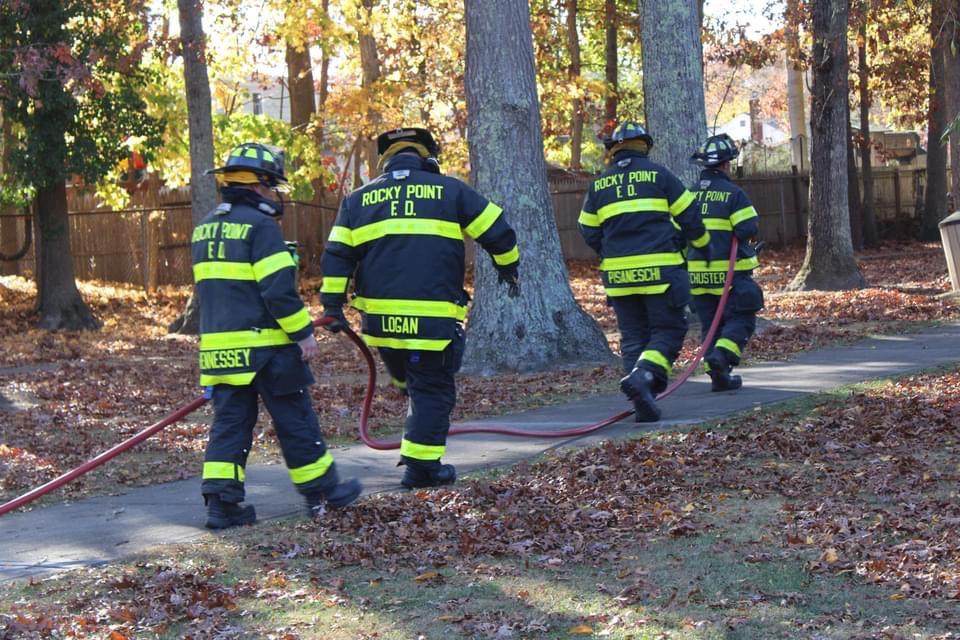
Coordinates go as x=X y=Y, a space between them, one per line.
x=67 y=396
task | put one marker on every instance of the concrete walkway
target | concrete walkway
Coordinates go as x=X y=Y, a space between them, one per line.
x=105 y=529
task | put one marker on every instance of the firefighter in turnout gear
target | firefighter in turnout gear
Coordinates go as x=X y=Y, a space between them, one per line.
x=630 y=217
x=726 y=212
x=401 y=239
x=255 y=339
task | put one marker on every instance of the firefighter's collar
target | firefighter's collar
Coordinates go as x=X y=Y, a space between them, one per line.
x=403 y=161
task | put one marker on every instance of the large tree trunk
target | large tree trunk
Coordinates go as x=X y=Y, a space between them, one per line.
x=829 y=263
x=9 y=246
x=673 y=67
x=951 y=59
x=871 y=235
x=935 y=196
x=58 y=299
x=370 y=65
x=853 y=190
x=573 y=72
x=300 y=81
x=796 y=104
x=544 y=327
x=611 y=66
x=203 y=188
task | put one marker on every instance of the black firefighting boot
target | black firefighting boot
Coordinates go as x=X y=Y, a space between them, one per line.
x=420 y=474
x=720 y=377
x=332 y=492
x=222 y=515
x=638 y=387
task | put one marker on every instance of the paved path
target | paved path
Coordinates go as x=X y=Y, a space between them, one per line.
x=104 y=529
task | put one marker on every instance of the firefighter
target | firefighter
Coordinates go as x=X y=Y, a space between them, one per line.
x=400 y=238
x=256 y=337
x=726 y=211
x=630 y=217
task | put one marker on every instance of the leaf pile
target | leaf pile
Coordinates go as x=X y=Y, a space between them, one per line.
x=870 y=481
x=134 y=604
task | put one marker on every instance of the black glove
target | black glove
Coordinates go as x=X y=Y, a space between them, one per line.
x=292 y=248
x=339 y=320
x=512 y=278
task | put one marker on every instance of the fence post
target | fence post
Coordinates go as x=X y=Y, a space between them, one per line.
x=797 y=208
x=144 y=252
x=896 y=193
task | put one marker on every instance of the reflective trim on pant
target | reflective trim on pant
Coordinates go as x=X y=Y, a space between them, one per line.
x=312 y=471
x=421 y=451
x=734 y=331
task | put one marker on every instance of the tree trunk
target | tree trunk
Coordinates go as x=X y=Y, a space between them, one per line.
x=544 y=327
x=611 y=66
x=59 y=303
x=935 y=195
x=871 y=235
x=951 y=59
x=796 y=104
x=370 y=65
x=853 y=190
x=829 y=263
x=8 y=224
x=672 y=67
x=300 y=81
x=203 y=188
x=576 y=116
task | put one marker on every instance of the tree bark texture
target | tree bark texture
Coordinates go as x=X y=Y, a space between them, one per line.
x=203 y=188
x=300 y=82
x=370 y=65
x=544 y=327
x=951 y=59
x=871 y=235
x=59 y=303
x=829 y=262
x=576 y=107
x=935 y=194
x=673 y=83
x=796 y=104
x=853 y=190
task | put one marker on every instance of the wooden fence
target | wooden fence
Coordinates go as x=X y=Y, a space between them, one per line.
x=148 y=243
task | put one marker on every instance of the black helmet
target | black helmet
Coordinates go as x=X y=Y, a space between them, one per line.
x=264 y=161
x=715 y=151
x=628 y=131
x=410 y=137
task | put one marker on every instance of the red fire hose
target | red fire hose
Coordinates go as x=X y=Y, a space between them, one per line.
x=381 y=445
x=384 y=445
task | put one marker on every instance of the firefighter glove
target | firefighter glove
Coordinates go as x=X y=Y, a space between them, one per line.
x=339 y=320
x=511 y=277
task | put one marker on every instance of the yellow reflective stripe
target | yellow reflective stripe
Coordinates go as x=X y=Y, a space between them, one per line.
x=588 y=219
x=637 y=205
x=331 y=284
x=411 y=344
x=636 y=262
x=680 y=204
x=702 y=241
x=343 y=235
x=702 y=291
x=718 y=224
x=729 y=345
x=223 y=271
x=399 y=384
x=423 y=308
x=508 y=257
x=234 y=379
x=421 y=451
x=743 y=264
x=295 y=321
x=743 y=214
x=311 y=471
x=483 y=221
x=271 y=264
x=656 y=358
x=246 y=338
x=411 y=226
x=616 y=292
x=223 y=471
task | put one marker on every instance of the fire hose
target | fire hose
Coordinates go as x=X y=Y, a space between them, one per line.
x=365 y=436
